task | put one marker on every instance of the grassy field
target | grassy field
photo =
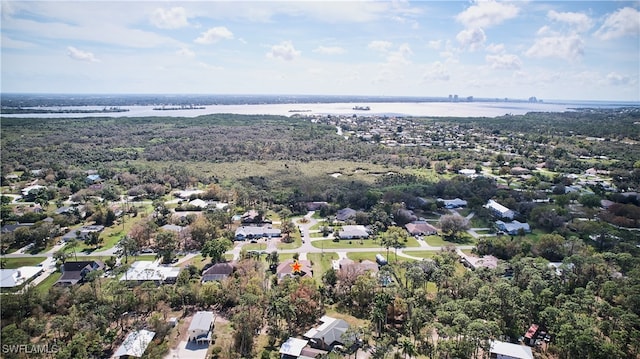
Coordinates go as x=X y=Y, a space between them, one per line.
x=255 y=246
x=297 y=242
x=345 y=243
x=321 y=263
x=421 y=254
x=438 y=241
x=44 y=286
x=12 y=263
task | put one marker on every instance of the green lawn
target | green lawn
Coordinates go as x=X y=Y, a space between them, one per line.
x=321 y=263
x=297 y=242
x=438 y=241
x=12 y=263
x=255 y=246
x=421 y=254
x=345 y=243
x=44 y=286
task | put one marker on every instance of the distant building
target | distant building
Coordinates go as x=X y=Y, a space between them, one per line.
x=285 y=269
x=453 y=203
x=499 y=210
x=513 y=228
x=345 y=214
x=420 y=228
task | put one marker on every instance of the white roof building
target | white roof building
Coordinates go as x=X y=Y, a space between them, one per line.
x=200 y=327
x=135 y=344
x=293 y=347
x=353 y=231
x=199 y=203
x=499 y=209
x=142 y=271
x=504 y=350
x=10 y=278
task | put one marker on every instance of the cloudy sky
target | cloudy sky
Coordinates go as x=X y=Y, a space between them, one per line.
x=582 y=50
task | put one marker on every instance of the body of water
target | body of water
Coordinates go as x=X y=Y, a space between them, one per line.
x=435 y=109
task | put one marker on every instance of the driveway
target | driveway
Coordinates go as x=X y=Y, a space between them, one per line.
x=188 y=350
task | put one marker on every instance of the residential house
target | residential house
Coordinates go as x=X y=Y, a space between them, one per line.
x=328 y=334
x=420 y=228
x=453 y=203
x=513 y=228
x=253 y=217
x=353 y=232
x=10 y=278
x=199 y=203
x=359 y=266
x=146 y=271
x=474 y=262
x=503 y=350
x=468 y=172
x=10 y=228
x=499 y=210
x=74 y=272
x=25 y=191
x=135 y=344
x=186 y=194
x=217 y=272
x=316 y=206
x=249 y=232
x=345 y=214
x=83 y=232
x=285 y=269
x=93 y=178
x=292 y=348
x=201 y=327
x=531 y=335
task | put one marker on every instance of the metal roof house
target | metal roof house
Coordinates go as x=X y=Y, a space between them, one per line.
x=328 y=334
x=135 y=344
x=499 y=210
x=201 y=326
x=503 y=350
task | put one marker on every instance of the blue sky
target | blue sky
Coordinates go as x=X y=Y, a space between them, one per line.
x=580 y=50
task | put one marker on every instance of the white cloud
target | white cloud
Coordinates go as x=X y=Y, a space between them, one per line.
x=495 y=48
x=434 y=44
x=471 y=38
x=81 y=55
x=614 y=78
x=504 y=62
x=570 y=47
x=214 y=35
x=173 y=18
x=579 y=21
x=186 y=52
x=487 y=13
x=329 y=50
x=436 y=72
x=401 y=55
x=623 y=22
x=8 y=42
x=379 y=45
x=284 y=51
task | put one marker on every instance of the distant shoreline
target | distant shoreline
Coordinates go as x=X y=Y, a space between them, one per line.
x=78 y=106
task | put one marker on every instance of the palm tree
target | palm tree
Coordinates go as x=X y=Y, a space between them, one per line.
x=407 y=347
x=73 y=244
